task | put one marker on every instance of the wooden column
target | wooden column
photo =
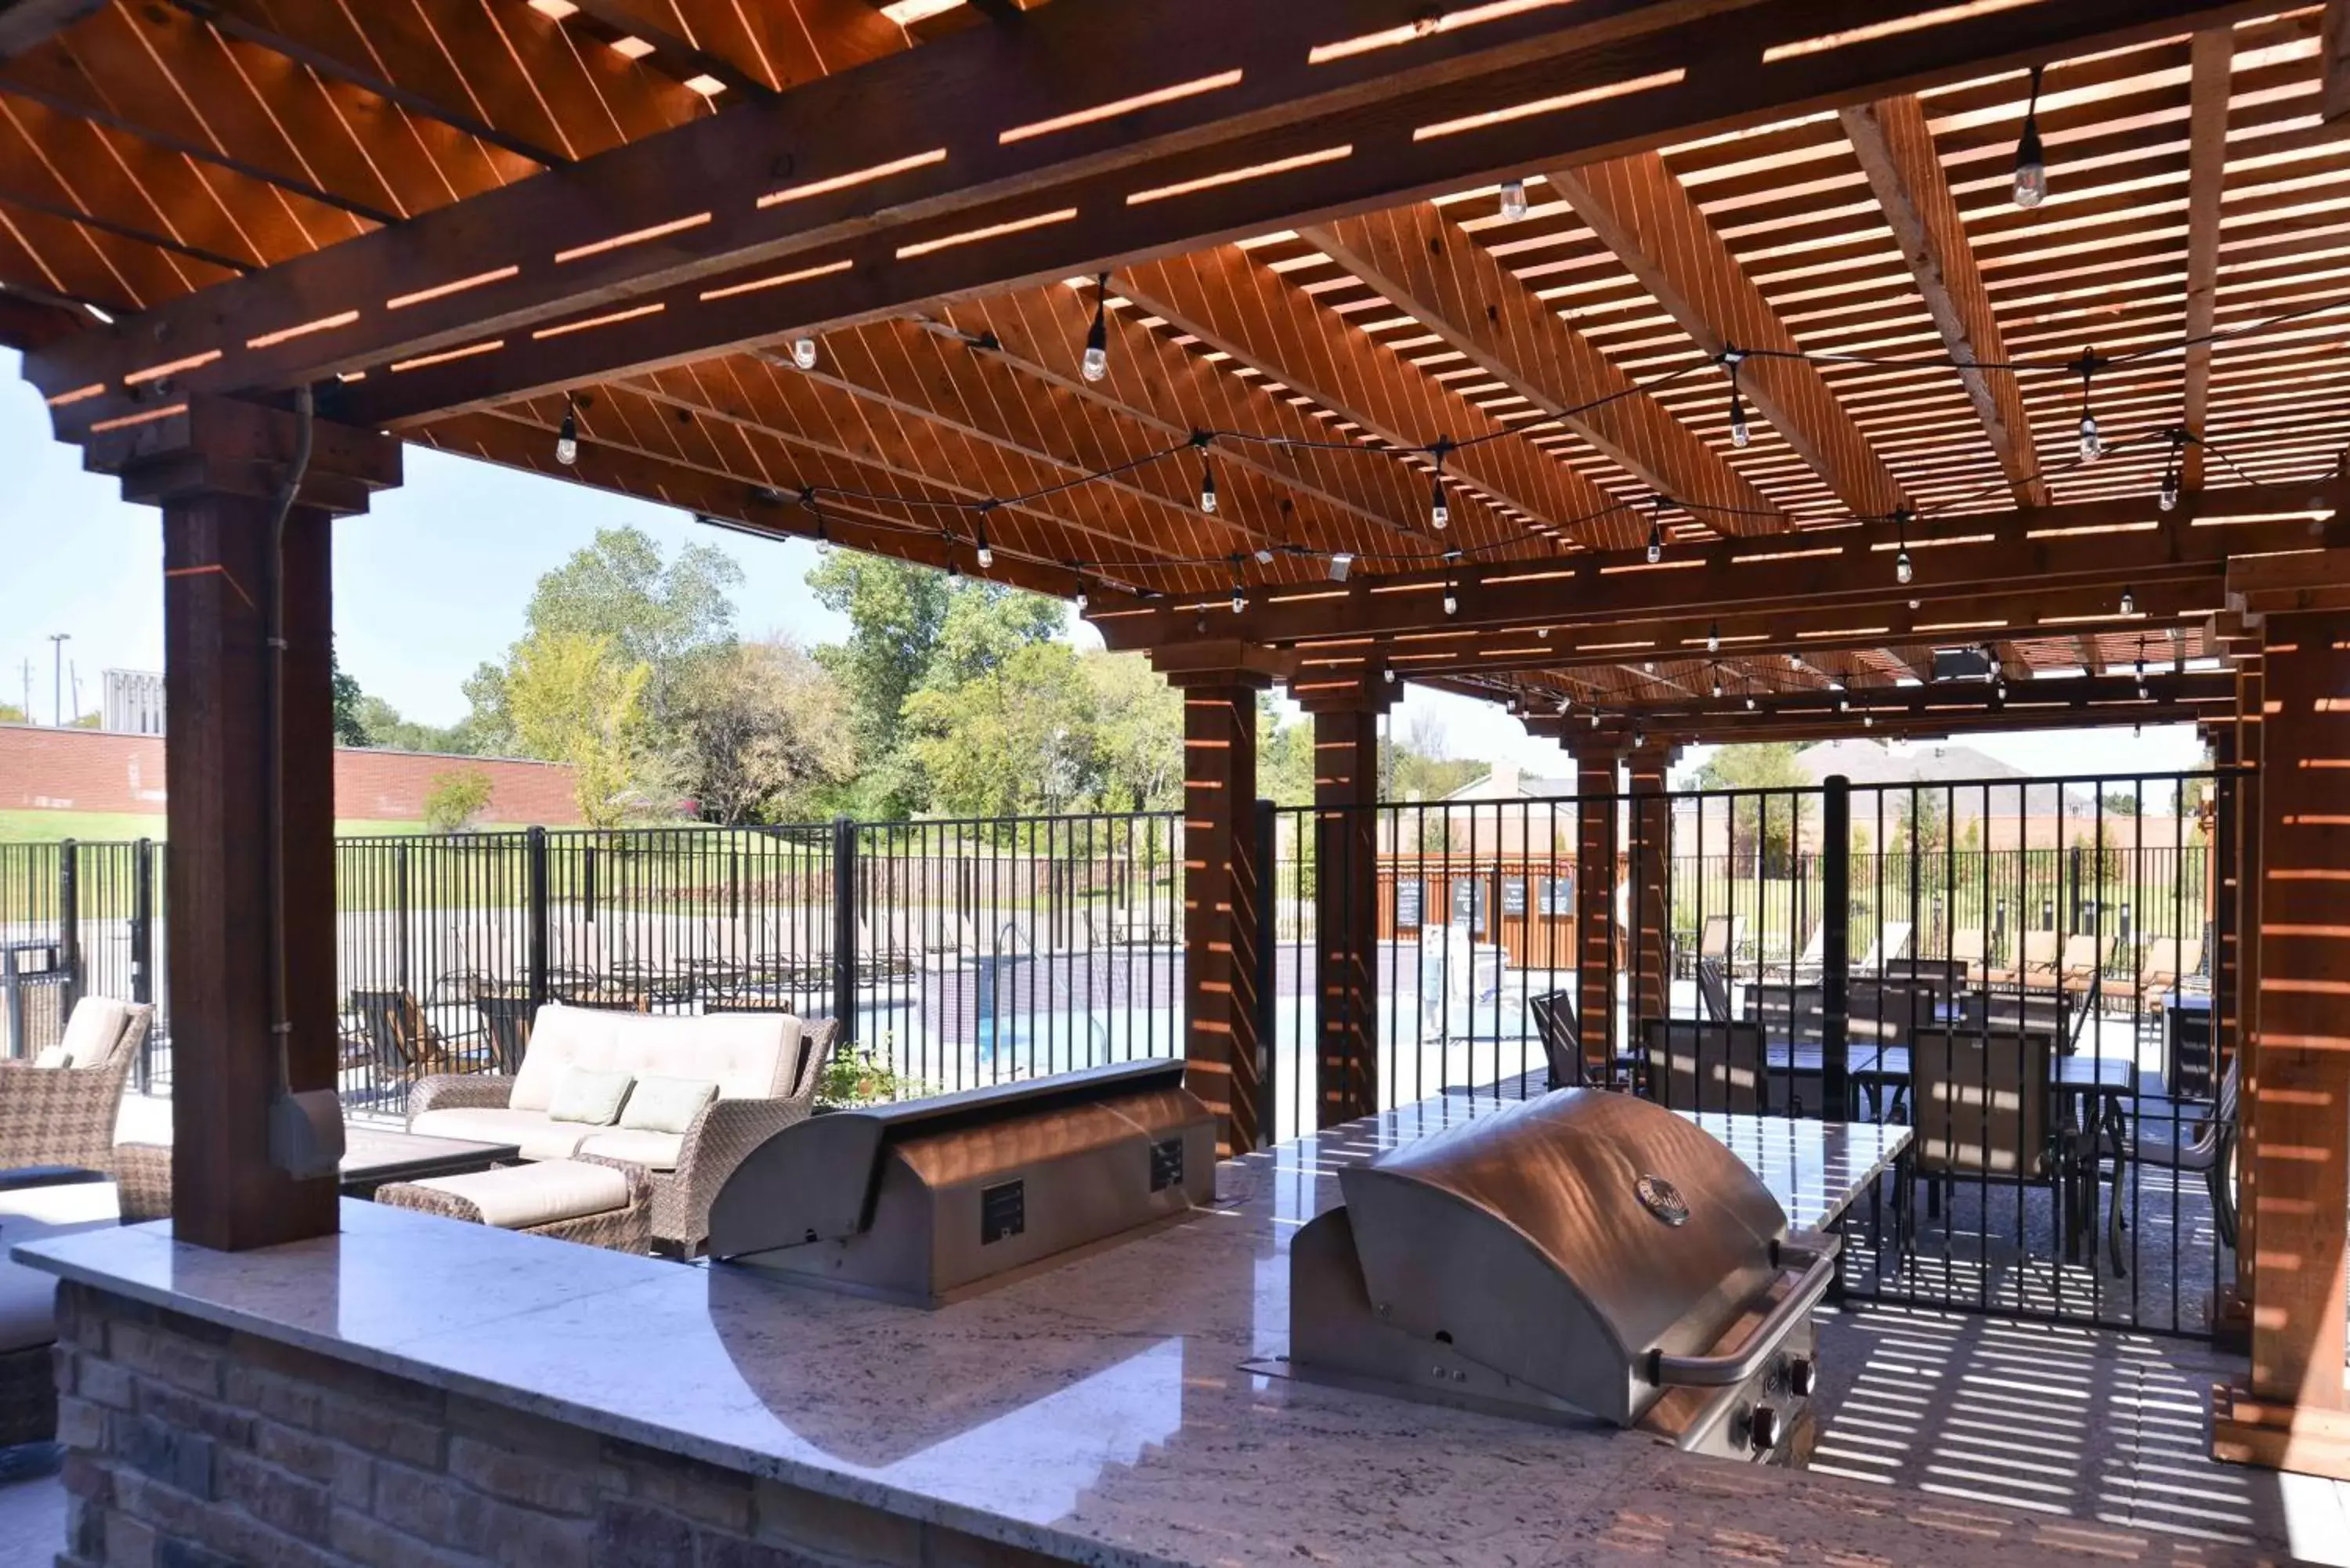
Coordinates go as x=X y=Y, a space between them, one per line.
x=2223 y=835
x=2250 y=731
x=1221 y=911
x=2291 y=1412
x=214 y=468
x=1651 y=913
x=1596 y=804
x=1346 y=893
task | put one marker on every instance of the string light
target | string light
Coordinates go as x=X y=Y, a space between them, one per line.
x=1750 y=701
x=2030 y=160
x=2093 y=445
x=567 y=440
x=981 y=554
x=1564 y=703
x=2168 y=496
x=1739 y=434
x=1901 y=567
x=1717 y=683
x=1082 y=600
x=1713 y=638
x=1514 y=200
x=1200 y=438
x=1657 y=533
x=1096 y=360
x=1452 y=599
x=2129 y=602
x=804 y=353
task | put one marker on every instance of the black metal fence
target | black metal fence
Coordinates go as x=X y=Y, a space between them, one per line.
x=2054 y=938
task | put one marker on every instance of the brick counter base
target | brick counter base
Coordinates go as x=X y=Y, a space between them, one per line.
x=191 y=1445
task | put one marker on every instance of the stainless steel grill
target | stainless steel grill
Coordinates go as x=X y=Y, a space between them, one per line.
x=929 y=1200
x=1584 y=1255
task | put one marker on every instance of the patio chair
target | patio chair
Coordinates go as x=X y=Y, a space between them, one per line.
x=1970 y=954
x=1891 y=946
x=1699 y=1066
x=1713 y=988
x=398 y=1033
x=2205 y=1145
x=1982 y=1109
x=2085 y=956
x=60 y=1108
x=1554 y=1014
x=2037 y=972
x=2167 y=960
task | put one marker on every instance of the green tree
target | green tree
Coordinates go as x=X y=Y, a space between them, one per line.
x=1016 y=740
x=574 y=700
x=349 y=730
x=895 y=612
x=1767 y=765
x=1285 y=759
x=1925 y=821
x=2121 y=801
x=766 y=736
x=382 y=726
x=669 y=617
x=11 y=714
x=1138 y=734
x=455 y=799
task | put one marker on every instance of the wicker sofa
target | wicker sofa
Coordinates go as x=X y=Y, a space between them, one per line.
x=60 y=1108
x=765 y=1065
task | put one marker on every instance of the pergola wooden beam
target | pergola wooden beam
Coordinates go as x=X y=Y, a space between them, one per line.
x=1244 y=308
x=2211 y=66
x=27 y=24
x=666 y=218
x=1429 y=265
x=1642 y=214
x=1616 y=734
x=1896 y=149
x=2098 y=699
x=2333 y=64
x=2081 y=545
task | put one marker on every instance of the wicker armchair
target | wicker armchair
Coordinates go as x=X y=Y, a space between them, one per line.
x=717 y=1141
x=65 y=1113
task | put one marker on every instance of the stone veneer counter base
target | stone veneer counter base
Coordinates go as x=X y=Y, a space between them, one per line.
x=415 y=1391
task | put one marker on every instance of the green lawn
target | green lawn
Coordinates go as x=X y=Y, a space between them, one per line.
x=101 y=826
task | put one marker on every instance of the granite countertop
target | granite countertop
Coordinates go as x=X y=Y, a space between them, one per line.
x=1097 y=1411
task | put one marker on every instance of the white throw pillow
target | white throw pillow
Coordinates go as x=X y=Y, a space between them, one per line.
x=53 y=1056
x=666 y=1105
x=584 y=1094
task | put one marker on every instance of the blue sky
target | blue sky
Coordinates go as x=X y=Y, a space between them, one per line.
x=433 y=581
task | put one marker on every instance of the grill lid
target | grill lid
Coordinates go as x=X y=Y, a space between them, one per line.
x=1563 y=1240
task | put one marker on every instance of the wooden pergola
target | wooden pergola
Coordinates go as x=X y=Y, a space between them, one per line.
x=1673 y=370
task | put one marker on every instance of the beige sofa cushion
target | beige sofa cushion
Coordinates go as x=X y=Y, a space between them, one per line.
x=27 y=1295
x=524 y=1195
x=96 y=1024
x=530 y=1131
x=585 y=1095
x=666 y=1104
x=653 y=1150
x=748 y=1055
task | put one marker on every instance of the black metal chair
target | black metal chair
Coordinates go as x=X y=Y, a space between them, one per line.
x=1561 y=1039
x=1983 y=1109
x=508 y=1020
x=1696 y=1066
x=1713 y=988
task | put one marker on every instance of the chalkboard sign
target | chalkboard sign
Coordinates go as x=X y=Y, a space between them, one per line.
x=1469 y=902
x=1557 y=897
x=1514 y=896
x=1408 y=905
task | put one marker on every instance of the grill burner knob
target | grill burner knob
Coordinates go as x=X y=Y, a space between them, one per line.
x=1803 y=1376
x=1763 y=1428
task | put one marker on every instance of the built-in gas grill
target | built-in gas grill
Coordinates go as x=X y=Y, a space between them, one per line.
x=927 y=1200
x=1586 y=1254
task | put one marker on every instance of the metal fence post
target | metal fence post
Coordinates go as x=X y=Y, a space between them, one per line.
x=844 y=931
x=142 y=948
x=1268 y=1015
x=399 y=904
x=1836 y=945
x=70 y=922
x=538 y=916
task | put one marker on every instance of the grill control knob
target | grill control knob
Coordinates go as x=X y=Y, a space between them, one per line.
x=1763 y=1428
x=1803 y=1376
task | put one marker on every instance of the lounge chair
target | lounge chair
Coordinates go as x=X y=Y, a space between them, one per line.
x=2085 y=956
x=60 y=1108
x=401 y=1039
x=2038 y=970
x=1970 y=954
x=2167 y=960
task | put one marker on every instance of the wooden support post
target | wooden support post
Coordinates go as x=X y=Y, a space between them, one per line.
x=2251 y=730
x=214 y=469
x=1651 y=914
x=2293 y=1412
x=1346 y=893
x=1595 y=909
x=2222 y=878
x=1220 y=890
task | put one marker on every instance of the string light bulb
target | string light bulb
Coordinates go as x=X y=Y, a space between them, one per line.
x=1739 y=434
x=1514 y=200
x=2093 y=445
x=566 y=438
x=2168 y=496
x=1565 y=701
x=980 y=552
x=1452 y=601
x=804 y=353
x=1207 y=487
x=2129 y=602
x=1902 y=570
x=1717 y=685
x=2031 y=159
x=1750 y=701
x=1657 y=533
x=1096 y=360
x=1713 y=638
x=1440 y=513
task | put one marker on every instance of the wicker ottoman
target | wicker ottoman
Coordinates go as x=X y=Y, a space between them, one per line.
x=596 y=1201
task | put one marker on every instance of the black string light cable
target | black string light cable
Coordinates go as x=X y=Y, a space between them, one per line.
x=2092 y=446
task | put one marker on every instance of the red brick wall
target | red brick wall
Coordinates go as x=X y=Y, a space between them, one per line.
x=90 y=770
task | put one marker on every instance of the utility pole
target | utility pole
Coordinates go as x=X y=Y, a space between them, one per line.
x=27 y=669
x=58 y=640
x=73 y=685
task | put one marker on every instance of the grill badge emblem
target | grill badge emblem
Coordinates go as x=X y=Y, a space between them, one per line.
x=1662 y=1198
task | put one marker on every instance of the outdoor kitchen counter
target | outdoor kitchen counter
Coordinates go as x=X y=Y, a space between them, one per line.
x=1096 y=1412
